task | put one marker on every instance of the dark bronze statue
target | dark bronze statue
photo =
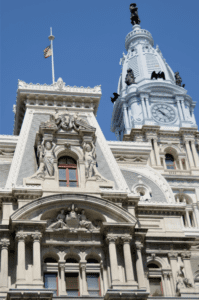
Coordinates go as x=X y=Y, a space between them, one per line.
x=179 y=80
x=130 y=78
x=157 y=75
x=113 y=99
x=134 y=14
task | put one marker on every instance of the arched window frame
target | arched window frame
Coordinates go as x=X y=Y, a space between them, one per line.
x=51 y=274
x=155 y=274
x=172 y=164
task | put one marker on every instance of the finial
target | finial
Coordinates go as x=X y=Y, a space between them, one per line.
x=134 y=14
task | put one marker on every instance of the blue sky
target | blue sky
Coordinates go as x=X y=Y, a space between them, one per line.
x=89 y=42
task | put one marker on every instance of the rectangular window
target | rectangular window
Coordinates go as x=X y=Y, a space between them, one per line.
x=68 y=177
x=51 y=282
x=93 y=282
x=72 y=284
x=155 y=287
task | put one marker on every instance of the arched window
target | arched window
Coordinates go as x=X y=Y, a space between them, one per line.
x=155 y=279
x=51 y=274
x=93 y=277
x=67 y=172
x=170 y=162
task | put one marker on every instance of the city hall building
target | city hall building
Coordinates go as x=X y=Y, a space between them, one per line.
x=83 y=217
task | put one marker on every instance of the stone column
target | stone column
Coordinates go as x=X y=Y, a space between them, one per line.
x=157 y=152
x=148 y=107
x=126 y=239
x=126 y=119
x=172 y=284
x=143 y=108
x=21 y=271
x=189 y=154
x=166 y=290
x=179 y=109
x=188 y=219
x=152 y=157
x=36 y=256
x=180 y=163
x=183 y=108
x=173 y=258
x=4 y=263
x=139 y=266
x=187 y=266
x=195 y=154
x=84 y=282
x=63 y=281
x=111 y=239
x=195 y=214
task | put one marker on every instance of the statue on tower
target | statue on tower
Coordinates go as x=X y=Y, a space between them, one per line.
x=178 y=80
x=134 y=14
x=130 y=78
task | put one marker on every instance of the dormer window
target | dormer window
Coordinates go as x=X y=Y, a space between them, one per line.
x=67 y=172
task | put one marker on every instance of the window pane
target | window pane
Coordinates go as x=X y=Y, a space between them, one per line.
x=73 y=183
x=92 y=281
x=73 y=293
x=62 y=183
x=93 y=293
x=155 y=287
x=72 y=174
x=50 y=282
x=62 y=174
x=72 y=281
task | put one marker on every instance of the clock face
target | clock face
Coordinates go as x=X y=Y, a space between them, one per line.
x=163 y=113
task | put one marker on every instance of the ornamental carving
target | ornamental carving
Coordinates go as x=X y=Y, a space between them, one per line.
x=186 y=255
x=5 y=243
x=21 y=235
x=126 y=238
x=73 y=219
x=36 y=236
x=111 y=238
x=182 y=281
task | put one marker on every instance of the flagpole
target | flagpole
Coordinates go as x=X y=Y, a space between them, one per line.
x=51 y=38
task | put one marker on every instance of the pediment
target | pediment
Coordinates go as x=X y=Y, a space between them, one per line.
x=71 y=206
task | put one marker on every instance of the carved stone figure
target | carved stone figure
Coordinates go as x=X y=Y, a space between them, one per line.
x=90 y=160
x=46 y=159
x=157 y=75
x=72 y=219
x=84 y=222
x=178 y=80
x=130 y=78
x=182 y=281
x=134 y=14
x=60 y=221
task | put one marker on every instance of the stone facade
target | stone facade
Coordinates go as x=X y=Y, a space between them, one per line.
x=85 y=217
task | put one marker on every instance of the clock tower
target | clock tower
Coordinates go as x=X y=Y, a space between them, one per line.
x=149 y=92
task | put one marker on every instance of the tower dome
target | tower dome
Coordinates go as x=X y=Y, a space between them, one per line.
x=149 y=93
x=143 y=59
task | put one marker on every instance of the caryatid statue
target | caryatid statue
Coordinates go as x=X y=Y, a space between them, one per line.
x=90 y=160
x=46 y=158
x=134 y=14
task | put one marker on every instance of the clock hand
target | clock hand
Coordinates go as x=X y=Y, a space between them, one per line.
x=161 y=112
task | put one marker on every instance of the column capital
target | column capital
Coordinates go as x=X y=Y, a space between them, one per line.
x=21 y=236
x=126 y=238
x=139 y=245
x=83 y=265
x=173 y=255
x=36 y=236
x=111 y=238
x=186 y=255
x=5 y=243
x=61 y=264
